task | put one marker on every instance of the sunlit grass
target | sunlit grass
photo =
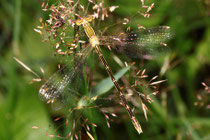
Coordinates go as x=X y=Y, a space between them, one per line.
x=173 y=113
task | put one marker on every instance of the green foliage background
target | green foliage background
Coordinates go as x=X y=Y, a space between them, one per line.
x=172 y=116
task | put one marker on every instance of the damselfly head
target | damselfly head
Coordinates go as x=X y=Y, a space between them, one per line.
x=89 y=18
x=81 y=21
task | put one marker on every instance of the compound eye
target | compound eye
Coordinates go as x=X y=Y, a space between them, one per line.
x=79 y=22
x=89 y=18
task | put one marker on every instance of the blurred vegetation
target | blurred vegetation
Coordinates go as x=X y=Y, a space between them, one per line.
x=173 y=115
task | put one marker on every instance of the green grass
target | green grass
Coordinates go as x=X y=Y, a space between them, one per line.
x=172 y=115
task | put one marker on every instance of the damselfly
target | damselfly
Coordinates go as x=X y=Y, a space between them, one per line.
x=145 y=43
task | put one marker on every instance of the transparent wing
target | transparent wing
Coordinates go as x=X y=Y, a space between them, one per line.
x=65 y=83
x=145 y=43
